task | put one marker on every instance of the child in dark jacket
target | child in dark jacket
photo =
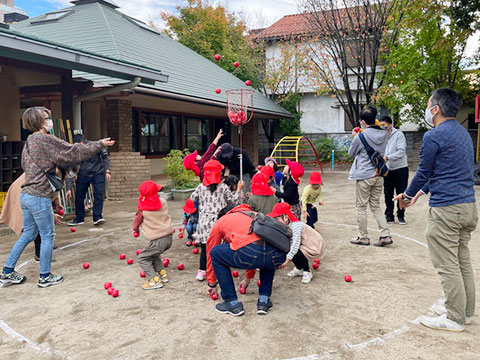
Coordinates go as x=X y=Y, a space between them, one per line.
x=190 y=220
x=292 y=172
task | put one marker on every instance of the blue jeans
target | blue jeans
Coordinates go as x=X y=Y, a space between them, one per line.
x=266 y=258
x=191 y=229
x=83 y=182
x=37 y=217
x=312 y=217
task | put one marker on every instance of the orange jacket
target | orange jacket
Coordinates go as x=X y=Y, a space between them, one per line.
x=233 y=229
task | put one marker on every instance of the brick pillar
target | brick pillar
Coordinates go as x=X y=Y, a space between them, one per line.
x=250 y=140
x=119 y=124
x=129 y=169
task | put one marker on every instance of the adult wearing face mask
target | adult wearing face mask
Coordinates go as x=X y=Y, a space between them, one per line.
x=42 y=154
x=446 y=171
x=397 y=179
x=369 y=185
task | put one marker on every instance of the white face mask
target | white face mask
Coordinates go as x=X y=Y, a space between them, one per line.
x=429 y=117
x=49 y=125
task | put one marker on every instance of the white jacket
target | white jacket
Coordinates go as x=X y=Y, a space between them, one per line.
x=396 y=151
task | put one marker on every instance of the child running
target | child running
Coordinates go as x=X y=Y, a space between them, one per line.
x=213 y=196
x=190 y=220
x=292 y=172
x=312 y=194
x=152 y=216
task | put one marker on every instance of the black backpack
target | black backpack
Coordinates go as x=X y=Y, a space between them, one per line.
x=381 y=168
x=272 y=231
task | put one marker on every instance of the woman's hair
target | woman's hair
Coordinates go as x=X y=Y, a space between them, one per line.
x=231 y=181
x=33 y=118
x=212 y=187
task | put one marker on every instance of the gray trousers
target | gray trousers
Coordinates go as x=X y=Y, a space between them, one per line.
x=149 y=259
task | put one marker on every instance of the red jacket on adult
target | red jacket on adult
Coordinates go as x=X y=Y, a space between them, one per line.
x=233 y=229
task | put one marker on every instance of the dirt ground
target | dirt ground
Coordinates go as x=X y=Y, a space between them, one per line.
x=369 y=318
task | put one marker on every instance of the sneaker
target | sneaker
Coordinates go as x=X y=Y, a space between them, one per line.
x=295 y=272
x=262 y=307
x=12 y=278
x=99 y=221
x=37 y=259
x=440 y=309
x=390 y=219
x=307 y=277
x=200 y=275
x=468 y=320
x=51 y=279
x=75 y=222
x=441 y=323
x=163 y=275
x=151 y=284
x=227 y=308
x=402 y=221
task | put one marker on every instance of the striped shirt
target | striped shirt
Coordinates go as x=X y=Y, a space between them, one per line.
x=297 y=229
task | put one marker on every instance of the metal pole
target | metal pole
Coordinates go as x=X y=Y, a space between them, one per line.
x=241 y=152
x=333 y=159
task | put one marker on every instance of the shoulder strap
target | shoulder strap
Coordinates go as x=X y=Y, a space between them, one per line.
x=369 y=149
x=249 y=214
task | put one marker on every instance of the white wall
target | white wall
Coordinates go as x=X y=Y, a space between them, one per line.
x=321 y=114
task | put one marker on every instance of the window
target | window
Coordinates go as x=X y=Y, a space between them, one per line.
x=196 y=133
x=154 y=133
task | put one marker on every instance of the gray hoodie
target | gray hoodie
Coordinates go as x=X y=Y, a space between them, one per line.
x=396 y=151
x=362 y=167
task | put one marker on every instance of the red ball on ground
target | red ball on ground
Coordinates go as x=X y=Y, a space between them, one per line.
x=180 y=229
x=217 y=57
x=194 y=243
x=86 y=265
x=73 y=229
x=180 y=266
x=195 y=251
x=214 y=296
x=115 y=293
x=180 y=236
x=136 y=234
x=315 y=265
x=142 y=273
x=235 y=273
x=236 y=64
x=316 y=261
x=107 y=285
x=109 y=291
x=258 y=283
x=139 y=251
x=248 y=83
x=242 y=290
x=348 y=278
x=165 y=262
x=130 y=261
x=189 y=243
x=122 y=256
x=61 y=212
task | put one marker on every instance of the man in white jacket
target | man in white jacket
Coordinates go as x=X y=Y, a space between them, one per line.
x=397 y=179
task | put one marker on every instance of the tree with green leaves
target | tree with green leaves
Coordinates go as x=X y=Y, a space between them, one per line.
x=430 y=54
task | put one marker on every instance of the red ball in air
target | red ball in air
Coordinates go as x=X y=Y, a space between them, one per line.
x=218 y=91
x=236 y=64
x=248 y=83
x=217 y=57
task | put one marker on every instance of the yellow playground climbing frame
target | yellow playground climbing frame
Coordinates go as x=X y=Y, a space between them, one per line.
x=299 y=149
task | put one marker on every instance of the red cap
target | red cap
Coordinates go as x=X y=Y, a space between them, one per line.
x=260 y=185
x=189 y=163
x=212 y=172
x=149 y=199
x=189 y=207
x=296 y=170
x=282 y=209
x=315 y=178
x=268 y=171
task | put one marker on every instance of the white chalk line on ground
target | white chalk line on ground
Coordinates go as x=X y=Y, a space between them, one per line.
x=376 y=340
x=325 y=355
x=44 y=348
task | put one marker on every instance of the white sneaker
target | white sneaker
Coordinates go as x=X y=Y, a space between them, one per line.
x=441 y=323
x=295 y=272
x=307 y=277
x=200 y=275
x=468 y=320
x=440 y=309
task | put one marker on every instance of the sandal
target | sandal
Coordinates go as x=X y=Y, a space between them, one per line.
x=362 y=241
x=384 y=241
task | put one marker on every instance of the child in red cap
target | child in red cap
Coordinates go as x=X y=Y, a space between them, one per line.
x=312 y=194
x=190 y=220
x=292 y=172
x=213 y=196
x=263 y=198
x=152 y=216
x=195 y=162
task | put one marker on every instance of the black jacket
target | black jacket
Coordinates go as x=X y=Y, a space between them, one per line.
x=290 y=192
x=233 y=164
